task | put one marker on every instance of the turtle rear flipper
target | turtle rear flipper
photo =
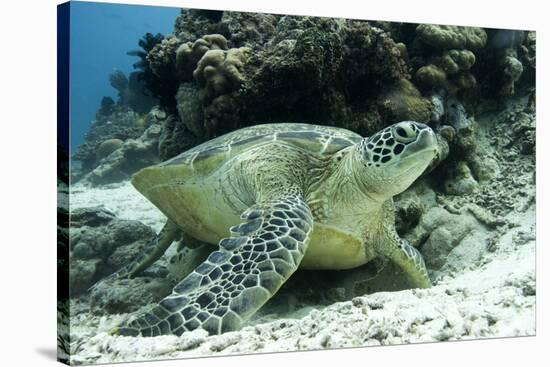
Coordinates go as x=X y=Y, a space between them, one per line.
x=187 y=258
x=236 y=280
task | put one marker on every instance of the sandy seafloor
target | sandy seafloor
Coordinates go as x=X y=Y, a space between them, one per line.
x=491 y=297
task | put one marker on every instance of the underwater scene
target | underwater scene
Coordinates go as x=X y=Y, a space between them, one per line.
x=239 y=183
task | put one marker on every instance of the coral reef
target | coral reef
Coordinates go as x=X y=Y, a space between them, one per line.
x=254 y=68
x=118 y=81
x=176 y=137
x=402 y=101
x=527 y=53
x=222 y=70
x=192 y=24
x=120 y=124
x=504 y=65
x=162 y=64
x=118 y=160
x=219 y=76
x=322 y=71
x=190 y=108
x=119 y=144
x=452 y=37
x=141 y=90
x=449 y=58
x=248 y=29
x=146 y=43
x=106 y=108
x=501 y=157
x=107 y=147
x=512 y=69
x=150 y=82
x=102 y=244
x=132 y=91
x=189 y=53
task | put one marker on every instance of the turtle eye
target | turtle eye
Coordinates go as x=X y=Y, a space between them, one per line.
x=405 y=132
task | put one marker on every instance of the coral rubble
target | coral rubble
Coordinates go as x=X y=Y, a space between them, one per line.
x=102 y=244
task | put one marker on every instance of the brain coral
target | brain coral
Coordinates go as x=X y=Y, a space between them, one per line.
x=431 y=75
x=451 y=60
x=189 y=53
x=449 y=36
x=219 y=71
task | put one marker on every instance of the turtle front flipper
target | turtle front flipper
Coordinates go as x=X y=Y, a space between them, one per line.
x=158 y=246
x=237 y=279
x=410 y=260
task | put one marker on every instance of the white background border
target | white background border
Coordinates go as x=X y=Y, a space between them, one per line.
x=28 y=190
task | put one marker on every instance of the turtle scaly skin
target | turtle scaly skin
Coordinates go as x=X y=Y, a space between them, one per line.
x=270 y=199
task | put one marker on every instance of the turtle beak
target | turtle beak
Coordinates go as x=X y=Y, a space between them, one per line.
x=426 y=140
x=422 y=151
x=425 y=145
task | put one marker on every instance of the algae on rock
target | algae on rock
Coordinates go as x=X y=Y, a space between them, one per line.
x=402 y=102
x=448 y=36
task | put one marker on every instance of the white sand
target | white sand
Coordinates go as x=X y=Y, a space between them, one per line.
x=121 y=199
x=494 y=297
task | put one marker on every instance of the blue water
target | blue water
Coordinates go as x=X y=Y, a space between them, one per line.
x=101 y=34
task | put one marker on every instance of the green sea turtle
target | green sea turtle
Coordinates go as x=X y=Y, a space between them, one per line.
x=273 y=198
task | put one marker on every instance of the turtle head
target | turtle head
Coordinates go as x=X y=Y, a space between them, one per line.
x=396 y=156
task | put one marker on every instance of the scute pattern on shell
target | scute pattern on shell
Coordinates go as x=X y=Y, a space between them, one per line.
x=323 y=140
